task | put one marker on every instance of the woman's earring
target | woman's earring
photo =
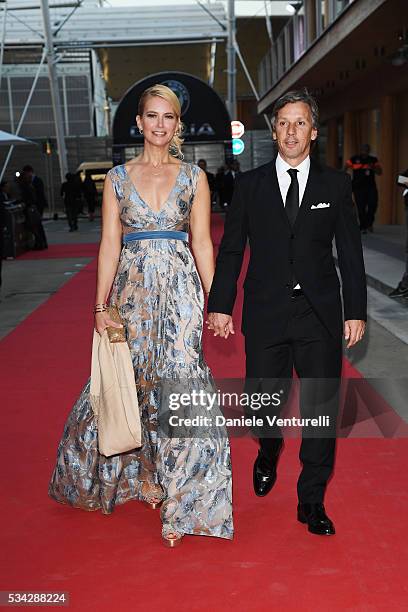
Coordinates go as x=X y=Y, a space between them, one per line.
x=141 y=130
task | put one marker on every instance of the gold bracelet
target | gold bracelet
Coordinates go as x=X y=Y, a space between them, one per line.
x=100 y=308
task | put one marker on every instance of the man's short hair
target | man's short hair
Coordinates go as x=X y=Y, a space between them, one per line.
x=299 y=95
x=28 y=168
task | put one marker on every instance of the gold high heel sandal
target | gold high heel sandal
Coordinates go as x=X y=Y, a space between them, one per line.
x=152 y=499
x=153 y=505
x=172 y=539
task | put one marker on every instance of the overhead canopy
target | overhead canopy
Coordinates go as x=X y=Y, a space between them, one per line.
x=109 y=26
x=12 y=139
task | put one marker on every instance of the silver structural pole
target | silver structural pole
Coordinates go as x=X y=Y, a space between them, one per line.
x=213 y=51
x=23 y=114
x=231 y=67
x=250 y=81
x=55 y=95
x=268 y=23
x=3 y=39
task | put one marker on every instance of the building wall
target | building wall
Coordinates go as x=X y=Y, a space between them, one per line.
x=385 y=128
x=402 y=148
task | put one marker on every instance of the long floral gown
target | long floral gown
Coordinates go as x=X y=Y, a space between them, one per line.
x=159 y=295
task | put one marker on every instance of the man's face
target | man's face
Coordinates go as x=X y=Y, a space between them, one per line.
x=203 y=164
x=294 y=132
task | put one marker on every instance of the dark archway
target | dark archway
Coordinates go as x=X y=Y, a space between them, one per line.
x=204 y=114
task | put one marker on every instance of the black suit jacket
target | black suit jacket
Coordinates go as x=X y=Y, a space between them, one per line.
x=279 y=253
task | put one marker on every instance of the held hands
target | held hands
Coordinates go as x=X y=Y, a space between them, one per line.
x=102 y=321
x=221 y=324
x=353 y=331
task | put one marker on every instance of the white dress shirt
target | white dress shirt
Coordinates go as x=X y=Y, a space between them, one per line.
x=284 y=179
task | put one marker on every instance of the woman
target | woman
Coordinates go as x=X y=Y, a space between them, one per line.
x=158 y=291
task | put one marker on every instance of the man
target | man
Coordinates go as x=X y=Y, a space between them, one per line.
x=202 y=163
x=291 y=209
x=91 y=195
x=28 y=195
x=228 y=181
x=364 y=167
x=38 y=184
x=72 y=198
x=401 y=291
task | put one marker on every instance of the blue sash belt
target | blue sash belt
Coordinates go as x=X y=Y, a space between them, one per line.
x=156 y=235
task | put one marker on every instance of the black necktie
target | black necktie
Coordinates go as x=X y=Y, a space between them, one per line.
x=292 y=198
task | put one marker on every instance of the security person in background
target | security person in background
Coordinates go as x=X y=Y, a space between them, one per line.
x=401 y=291
x=72 y=199
x=210 y=178
x=364 y=167
x=38 y=184
x=28 y=195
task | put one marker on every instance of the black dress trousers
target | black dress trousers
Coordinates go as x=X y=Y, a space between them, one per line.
x=307 y=346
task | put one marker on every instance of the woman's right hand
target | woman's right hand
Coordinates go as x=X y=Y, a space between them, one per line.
x=102 y=321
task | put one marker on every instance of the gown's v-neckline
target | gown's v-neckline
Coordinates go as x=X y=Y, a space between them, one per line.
x=155 y=212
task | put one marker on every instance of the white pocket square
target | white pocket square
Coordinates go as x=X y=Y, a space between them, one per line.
x=320 y=205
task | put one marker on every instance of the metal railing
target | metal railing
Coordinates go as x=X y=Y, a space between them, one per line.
x=296 y=37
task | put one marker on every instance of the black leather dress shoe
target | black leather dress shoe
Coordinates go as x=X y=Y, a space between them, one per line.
x=264 y=474
x=316 y=518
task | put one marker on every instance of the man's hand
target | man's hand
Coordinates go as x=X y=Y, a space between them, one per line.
x=221 y=324
x=353 y=331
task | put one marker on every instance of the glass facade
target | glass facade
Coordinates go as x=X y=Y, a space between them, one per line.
x=76 y=101
x=296 y=37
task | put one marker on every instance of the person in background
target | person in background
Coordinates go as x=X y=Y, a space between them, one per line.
x=402 y=289
x=202 y=163
x=71 y=195
x=34 y=224
x=364 y=168
x=219 y=184
x=90 y=194
x=228 y=180
x=78 y=182
x=26 y=193
x=39 y=188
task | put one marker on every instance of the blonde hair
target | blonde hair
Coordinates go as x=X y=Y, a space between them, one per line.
x=161 y=91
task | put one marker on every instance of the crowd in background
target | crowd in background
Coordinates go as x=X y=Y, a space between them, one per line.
x=29 y=188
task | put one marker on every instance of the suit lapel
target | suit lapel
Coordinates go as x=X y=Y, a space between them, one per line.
x=271 y=190
x=311 y=191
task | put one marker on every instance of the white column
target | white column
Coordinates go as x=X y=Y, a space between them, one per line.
x=55 y=95
x=231 y=63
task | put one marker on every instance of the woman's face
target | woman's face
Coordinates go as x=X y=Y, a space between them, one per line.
x=158 y=122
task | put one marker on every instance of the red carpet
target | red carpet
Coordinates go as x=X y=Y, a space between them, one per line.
x=117 y=562
x=63 y=251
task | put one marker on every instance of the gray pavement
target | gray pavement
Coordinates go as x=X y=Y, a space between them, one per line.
x=29 y=283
